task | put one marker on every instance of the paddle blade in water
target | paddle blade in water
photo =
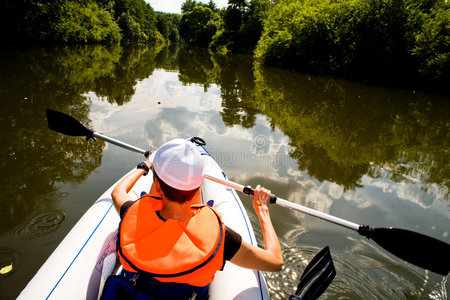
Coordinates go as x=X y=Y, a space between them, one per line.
x=418 y=249
x=65 y=124
x=316 y=277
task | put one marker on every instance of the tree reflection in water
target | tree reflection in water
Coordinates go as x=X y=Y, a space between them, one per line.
x=339 y=130
x=34 y=159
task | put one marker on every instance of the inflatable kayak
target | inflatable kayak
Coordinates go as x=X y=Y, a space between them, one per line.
x=79 y=266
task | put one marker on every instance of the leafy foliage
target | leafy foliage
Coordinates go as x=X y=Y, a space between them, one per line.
x=374 y=38
x=137 y=20
x=188 y=6
x=432 y=41
x=199 y=26
x=241 y=25
x=169 y=26
x=78 y=21
x=326 y=35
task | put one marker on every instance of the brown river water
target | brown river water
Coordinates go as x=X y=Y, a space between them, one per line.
x=367 y=154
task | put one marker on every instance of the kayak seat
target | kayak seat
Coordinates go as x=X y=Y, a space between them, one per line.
x=124 y=286
x=117 y=288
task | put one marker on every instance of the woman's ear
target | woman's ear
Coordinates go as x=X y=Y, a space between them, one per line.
x=155 y=188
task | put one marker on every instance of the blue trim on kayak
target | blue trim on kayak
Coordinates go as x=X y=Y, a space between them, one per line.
x=259 y=281
x=85 y=243
x=204 y=149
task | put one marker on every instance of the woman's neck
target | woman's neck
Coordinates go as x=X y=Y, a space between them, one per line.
x=179 y=211
x=175 y=210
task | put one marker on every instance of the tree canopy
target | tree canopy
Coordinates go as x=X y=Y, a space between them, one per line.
x=388 y=39
x=199 y=25
x=78 y=21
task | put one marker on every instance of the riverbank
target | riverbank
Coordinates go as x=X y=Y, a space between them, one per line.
x=386 y=42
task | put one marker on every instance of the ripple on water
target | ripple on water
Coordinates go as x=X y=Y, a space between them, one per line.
x=284 y=283
x=41 y=225
x=363 y=272
x=350 y=282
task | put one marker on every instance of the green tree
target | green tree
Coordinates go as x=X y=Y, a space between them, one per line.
x=188 y=6
x=198 y=26
x=168 y=25
x=432 y=41
x=78 y=21
x=324 y=36
x=383 y=40
x=211 y=5
x=241 y=25
x=241 y=5
x=85 y=23
x=137 y=20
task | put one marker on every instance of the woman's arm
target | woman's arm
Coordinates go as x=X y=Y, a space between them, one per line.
x=120 y=193
x=252 y=257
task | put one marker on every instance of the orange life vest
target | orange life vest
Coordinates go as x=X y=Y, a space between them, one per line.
x=171 y=251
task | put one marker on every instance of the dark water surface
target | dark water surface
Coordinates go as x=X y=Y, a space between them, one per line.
x=370 y=155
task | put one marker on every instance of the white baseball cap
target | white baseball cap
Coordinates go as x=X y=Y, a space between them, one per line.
x=179 y=164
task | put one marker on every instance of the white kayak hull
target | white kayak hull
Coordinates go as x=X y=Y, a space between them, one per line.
x=78 y=267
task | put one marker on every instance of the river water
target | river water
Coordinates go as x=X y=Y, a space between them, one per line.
x=367 y=154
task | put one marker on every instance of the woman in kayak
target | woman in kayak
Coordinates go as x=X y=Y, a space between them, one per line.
x=169 y=244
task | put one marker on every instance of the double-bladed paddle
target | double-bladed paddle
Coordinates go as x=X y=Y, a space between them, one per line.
x=418 y=249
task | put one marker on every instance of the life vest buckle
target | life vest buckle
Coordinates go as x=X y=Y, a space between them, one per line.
x=134 y=279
